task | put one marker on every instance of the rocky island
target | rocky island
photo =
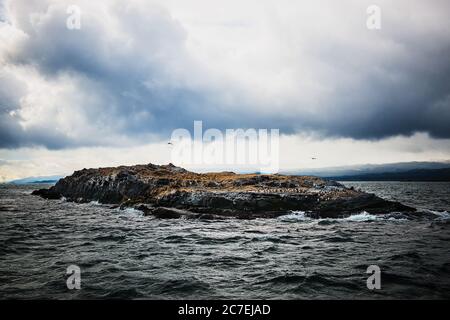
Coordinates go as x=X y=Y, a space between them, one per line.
x=168 y=191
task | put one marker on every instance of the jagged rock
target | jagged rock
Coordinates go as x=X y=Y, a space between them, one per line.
x=171 y=192
x=146 y=209
x=47 y=194
x=166 y=213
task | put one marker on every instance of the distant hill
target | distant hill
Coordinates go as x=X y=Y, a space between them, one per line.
x=402 y=171
x=410 y=175
x=390 y=171
x=33 y=180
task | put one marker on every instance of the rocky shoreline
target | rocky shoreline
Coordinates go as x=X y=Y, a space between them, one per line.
x=168 y=191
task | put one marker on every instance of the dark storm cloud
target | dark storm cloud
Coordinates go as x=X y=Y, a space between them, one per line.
x=399 y=92
x=130 y=78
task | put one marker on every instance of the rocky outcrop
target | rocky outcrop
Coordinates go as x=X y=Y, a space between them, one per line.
x=171 y=192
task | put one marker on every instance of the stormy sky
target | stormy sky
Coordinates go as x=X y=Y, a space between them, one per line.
x=137 y=70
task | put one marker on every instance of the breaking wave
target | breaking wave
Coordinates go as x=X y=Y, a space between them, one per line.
x=365 y=217
x=131 y=211
x=360 y=217
x=440 y=215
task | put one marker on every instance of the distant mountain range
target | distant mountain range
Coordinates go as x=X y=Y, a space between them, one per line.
x=410 y=175
x=32 y=180
x=403 y=171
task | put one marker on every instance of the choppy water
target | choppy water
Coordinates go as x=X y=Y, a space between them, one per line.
x=123 y=254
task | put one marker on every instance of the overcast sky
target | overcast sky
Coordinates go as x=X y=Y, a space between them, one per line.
x=114 y=90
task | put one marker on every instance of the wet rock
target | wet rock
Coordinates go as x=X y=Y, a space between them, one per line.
x=47 y=194
x=145 y=208
x=209 y=217
x=165 y=213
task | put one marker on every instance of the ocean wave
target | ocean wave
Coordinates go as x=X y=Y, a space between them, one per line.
x=94 y=203
x=363 y=216
x=295 y=216
x=440 y=215
x=131 y=211
x=359 y=217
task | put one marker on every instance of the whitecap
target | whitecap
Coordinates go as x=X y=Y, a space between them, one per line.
x=294 y=216
x=363 y=216
x=441 y=215
x=131 y=211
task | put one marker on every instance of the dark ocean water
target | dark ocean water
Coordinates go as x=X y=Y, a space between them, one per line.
x=123 y=254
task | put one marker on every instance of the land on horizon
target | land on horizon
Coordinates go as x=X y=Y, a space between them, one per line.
x=402 y=171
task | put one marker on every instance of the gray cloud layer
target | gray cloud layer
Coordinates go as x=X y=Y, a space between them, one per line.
x=128 y=75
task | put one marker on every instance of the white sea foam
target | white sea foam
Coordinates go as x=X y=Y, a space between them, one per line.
x=131 y=211
x=363 y=216
x=294 y=216
x=359 y=217
x=441 y=215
